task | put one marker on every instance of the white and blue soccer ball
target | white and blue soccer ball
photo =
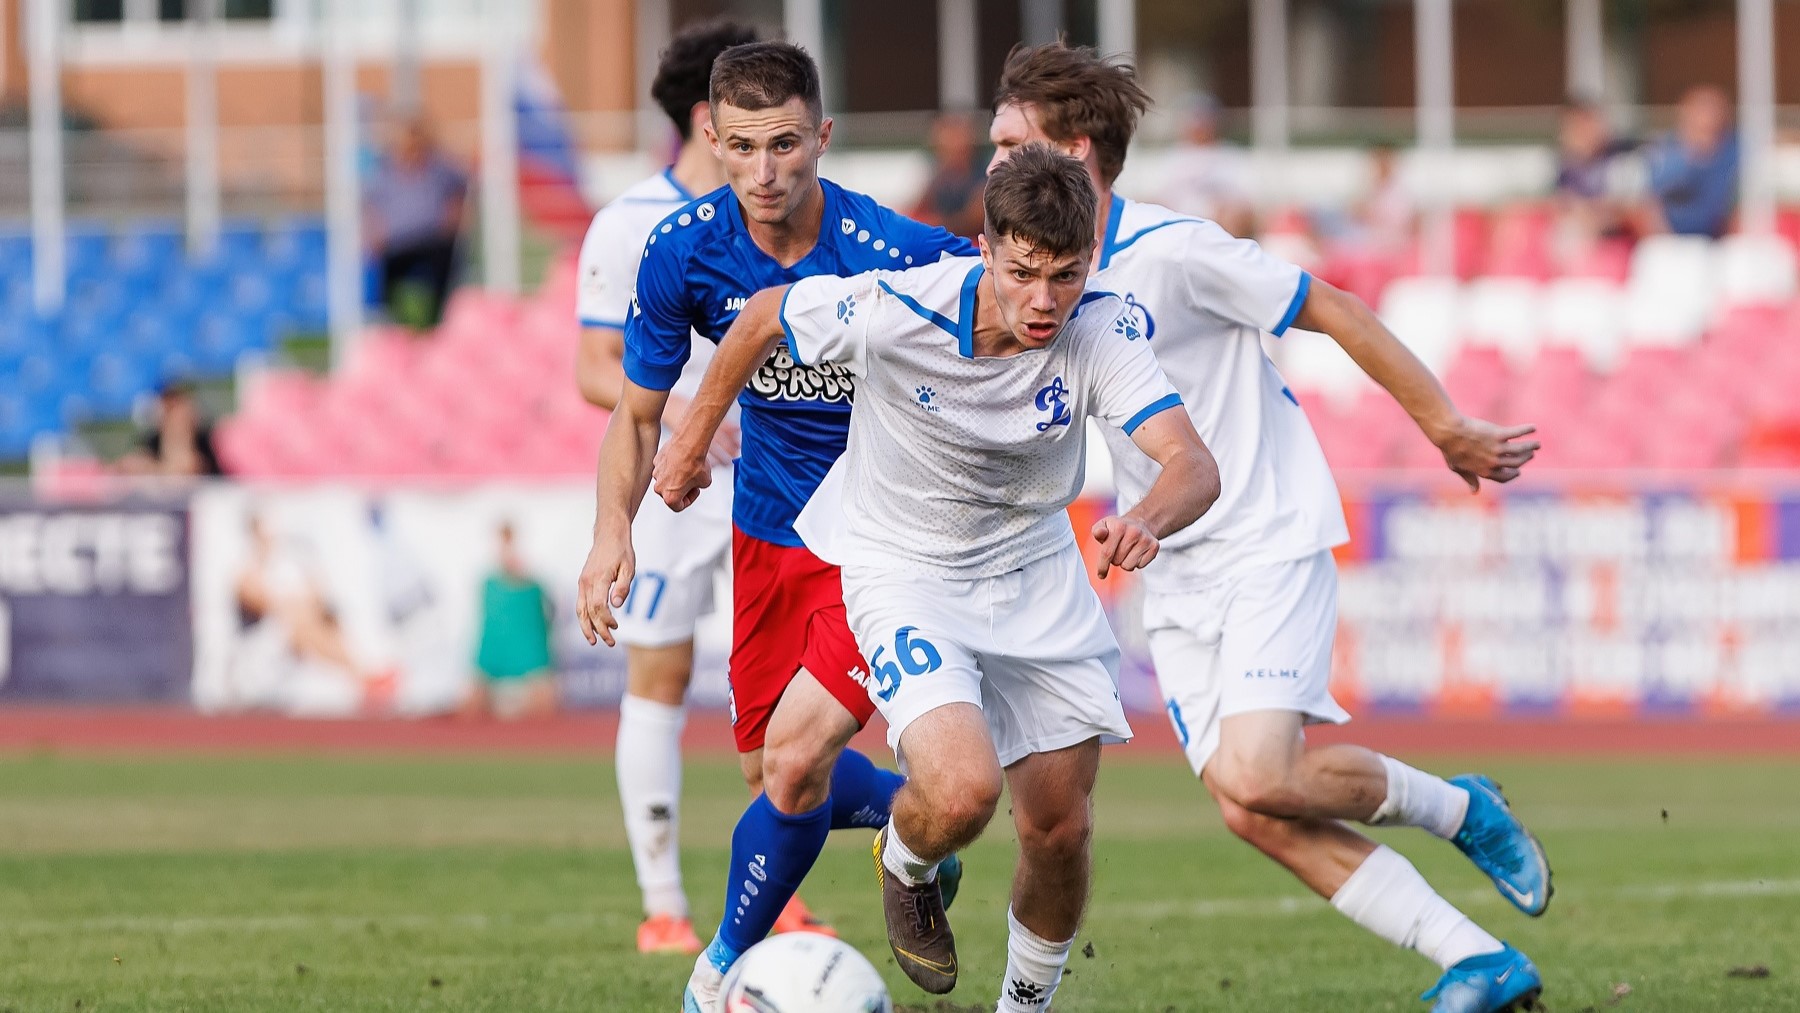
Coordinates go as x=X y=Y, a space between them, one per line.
x=803 y=972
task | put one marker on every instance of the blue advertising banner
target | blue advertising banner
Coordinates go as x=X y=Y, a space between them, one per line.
x=94 y=603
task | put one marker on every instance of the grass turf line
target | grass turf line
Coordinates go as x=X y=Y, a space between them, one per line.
x=504 y=884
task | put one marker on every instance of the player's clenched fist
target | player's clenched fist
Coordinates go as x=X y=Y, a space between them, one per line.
x=605 y=581
x=1125 y=542
x=680 y=473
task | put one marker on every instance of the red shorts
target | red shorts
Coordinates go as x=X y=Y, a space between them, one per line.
x=788 y=614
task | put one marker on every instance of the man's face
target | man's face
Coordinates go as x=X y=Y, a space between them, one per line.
x=771 y=156
x=1017 y=125
x=1035 y=290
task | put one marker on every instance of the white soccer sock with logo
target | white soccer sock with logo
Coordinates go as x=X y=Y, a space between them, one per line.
x=1034 y=967
x=901 y=863
x=1387 y=896
x=1417 y=799
x=648 y=760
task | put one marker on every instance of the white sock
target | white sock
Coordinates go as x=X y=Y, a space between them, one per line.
x=902 y=863
x=1417 y=799
x=1387 y=896
x=1034 y=967
x=648 y=760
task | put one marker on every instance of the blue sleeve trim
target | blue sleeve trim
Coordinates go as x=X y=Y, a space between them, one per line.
x=965 y=324
x=943 y=322
x=1293 y=310
x=617 y=325
x=1156 y=407
x=651 y=377
x=787 y=331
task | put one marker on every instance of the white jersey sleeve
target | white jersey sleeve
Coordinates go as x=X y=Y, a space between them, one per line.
x=607 y=270
x=1128 y=385
x=826 y=319
x=1235 y=280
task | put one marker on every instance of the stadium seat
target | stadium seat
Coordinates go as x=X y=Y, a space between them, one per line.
x=1422 y=312
x=1584 y=314
x=1755 y=271
x=1669 y=299
x=1504 y=314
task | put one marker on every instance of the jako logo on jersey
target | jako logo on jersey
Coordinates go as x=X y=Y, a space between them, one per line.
x=846 y=309
x=736 y=303
x=704 y=212
x=1137 y=321
x=1050 y=399
x=848 y=225
x=925 y=395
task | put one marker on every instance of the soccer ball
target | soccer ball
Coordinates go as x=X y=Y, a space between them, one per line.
x=803 y=972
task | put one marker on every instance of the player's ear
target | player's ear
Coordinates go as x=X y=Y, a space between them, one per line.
x=987 y=254
x=824 y=134
x=699 y=118
x=712 y=137
x=1078 y=148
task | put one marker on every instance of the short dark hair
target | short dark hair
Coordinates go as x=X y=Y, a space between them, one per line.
x=1077 y=93
x=1042 y=197
x=684 y=70
x=762 y=75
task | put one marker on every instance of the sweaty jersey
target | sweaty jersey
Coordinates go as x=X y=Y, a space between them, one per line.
x=960 y=466
x=611 y=252
x=1202 y=299
x=697 y=271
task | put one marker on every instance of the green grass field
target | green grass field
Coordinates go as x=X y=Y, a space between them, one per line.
x=249 y=885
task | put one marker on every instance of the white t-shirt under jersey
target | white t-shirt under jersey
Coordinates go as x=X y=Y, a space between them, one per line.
x=957 y=466
x=611 y=252
x=1203 y=299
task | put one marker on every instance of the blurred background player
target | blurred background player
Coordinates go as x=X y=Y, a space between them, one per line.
x=517 y=675
x=796 y=673
x=1241 y=611
x=948 y=512
x=679 y=555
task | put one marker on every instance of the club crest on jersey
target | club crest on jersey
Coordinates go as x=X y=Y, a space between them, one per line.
x=1051 y=399
x=1136 y=322
x=783 y=379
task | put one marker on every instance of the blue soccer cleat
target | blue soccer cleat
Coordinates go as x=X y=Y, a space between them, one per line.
x=950 y=873
x=1500 y=846
x=1488 y=983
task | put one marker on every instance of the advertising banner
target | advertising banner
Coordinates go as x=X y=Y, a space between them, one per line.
x=93 y=601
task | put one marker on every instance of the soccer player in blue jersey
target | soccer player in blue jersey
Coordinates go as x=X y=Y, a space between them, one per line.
x=796 y=673
x=1241 y=607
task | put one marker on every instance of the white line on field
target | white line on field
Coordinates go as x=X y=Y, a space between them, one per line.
x=1224 y=907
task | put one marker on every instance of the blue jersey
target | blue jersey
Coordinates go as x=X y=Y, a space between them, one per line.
x=699 y=268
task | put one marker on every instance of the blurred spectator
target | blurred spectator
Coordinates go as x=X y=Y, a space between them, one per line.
x=517 y=678
x=1694 y=170
x=1586 y=157
x=952 y=199
x=180 y=443
x=1387 y=217
x=1208 y=177
x=412 y=219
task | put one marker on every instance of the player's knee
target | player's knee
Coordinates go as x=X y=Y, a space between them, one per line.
x=1259 y=788
x=796 y=774
x=1261 y=832
x=1058 y=838
x=964 y=805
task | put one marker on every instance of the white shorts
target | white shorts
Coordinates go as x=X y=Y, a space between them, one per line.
x=1031 y=648
x=679 y=558
x=1257 y=641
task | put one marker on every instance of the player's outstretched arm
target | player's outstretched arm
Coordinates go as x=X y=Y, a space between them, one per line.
x=1186 y=488
x=626 y=453
x=1473 y=448
x=681 y=470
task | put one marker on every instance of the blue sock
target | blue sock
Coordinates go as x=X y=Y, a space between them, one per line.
x=771 y=852
x=862 y=794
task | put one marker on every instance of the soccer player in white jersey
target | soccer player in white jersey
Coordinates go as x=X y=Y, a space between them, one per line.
x=1241 y=608
x=679 y=555
x=989 y=653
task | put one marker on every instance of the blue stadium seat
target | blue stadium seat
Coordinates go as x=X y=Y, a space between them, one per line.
x=218 y=341
x=115 y=382
x=89 y=246
x=148 y=247
x=298 y=242
x=15 y=252
x=241 y=240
